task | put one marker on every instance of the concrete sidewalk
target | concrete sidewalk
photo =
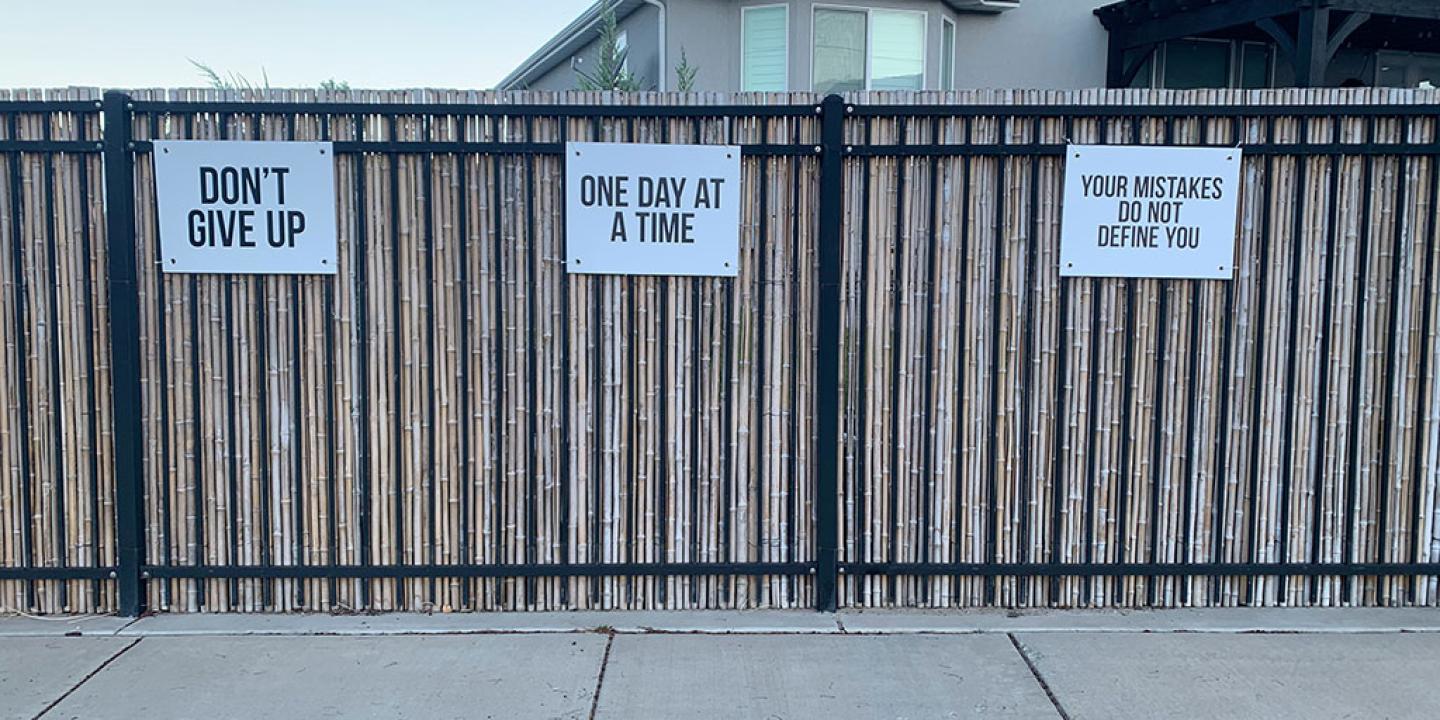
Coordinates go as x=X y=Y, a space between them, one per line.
x=1230 y=663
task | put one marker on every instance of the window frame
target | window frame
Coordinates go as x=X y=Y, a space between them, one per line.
x=1410 y=58
x=1237 y=81
x=786 y=35
x=869 y=13
x=622 y=44
x=1159 y=69
x=947 y=62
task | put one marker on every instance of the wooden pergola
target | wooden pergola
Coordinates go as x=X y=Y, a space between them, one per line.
x=1306 y=33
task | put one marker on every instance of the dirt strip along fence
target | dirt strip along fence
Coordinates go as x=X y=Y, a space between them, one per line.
x=898 y=402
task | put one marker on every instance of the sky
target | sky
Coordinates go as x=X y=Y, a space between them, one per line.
x=466 y=44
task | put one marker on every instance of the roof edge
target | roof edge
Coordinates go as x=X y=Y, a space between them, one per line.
x=570 y=39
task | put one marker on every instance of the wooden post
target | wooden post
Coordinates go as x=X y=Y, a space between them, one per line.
x=1311 y=54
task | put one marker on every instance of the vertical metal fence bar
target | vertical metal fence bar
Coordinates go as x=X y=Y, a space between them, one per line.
x=1287 y=435
x=124 y=303
x=1322 y=393
x=1357 y=362
x=961 y=335
x=52 y=331
x=1388 y=389
x=930 y=308
x=1222 y=433
x=91 y=395
x=997 y=237
x=898 y=258
x=862 y=375
x=1029 y=359
x=1059 y=438
x=17 y=231
x=463 y=239
x=361 y=303
x=1417 y=464
x=1252 y=518
x=1163 y=289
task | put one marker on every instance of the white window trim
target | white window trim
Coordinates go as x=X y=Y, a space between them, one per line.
x=954 y=41
x=869 y=31
x=622 y=44
x=747 y=9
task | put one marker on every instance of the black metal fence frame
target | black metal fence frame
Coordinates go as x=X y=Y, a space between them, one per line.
x=119 y=153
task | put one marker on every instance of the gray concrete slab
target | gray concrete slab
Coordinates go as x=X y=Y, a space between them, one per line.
x=37 y=671
x=819 y=676
x=700 y=621
x=479 y=676
x=1181 y=675
x=60 y=625
x=1216 y=620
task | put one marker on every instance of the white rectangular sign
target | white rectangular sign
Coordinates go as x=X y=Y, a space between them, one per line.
x=246 y=207
x=635 y=209
x=1147 y=211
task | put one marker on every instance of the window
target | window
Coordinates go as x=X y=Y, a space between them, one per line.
x=1197 y=64
x=839 y=58
x=897 y=50
x=763 y=48
x=622 y=48
x=947 y=54
x=867 y=50
x=1255 y=65
x=1408 y=70
x=1144 y=76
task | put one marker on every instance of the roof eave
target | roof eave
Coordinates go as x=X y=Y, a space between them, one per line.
x=569 y=40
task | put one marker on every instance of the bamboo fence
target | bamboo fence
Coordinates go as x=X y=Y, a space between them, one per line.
x=452 y=396
x=997 y=413
x=56 y=469
x=479 y=405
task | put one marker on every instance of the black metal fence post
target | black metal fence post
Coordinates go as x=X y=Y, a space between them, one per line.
x=827 y=371
x=124 y=350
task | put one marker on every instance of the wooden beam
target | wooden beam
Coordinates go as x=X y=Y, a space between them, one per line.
x=1422 y=9
x=1283 y=39
x=1201 y=20
x=1133 y=67
x=1338 y=37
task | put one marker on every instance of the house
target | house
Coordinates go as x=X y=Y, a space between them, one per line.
x=839 y=45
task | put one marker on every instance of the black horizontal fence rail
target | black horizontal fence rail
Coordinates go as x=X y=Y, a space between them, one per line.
x=1092 y=570
x=831 y=144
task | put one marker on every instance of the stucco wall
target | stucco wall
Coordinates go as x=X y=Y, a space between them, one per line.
x=1046 y=44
